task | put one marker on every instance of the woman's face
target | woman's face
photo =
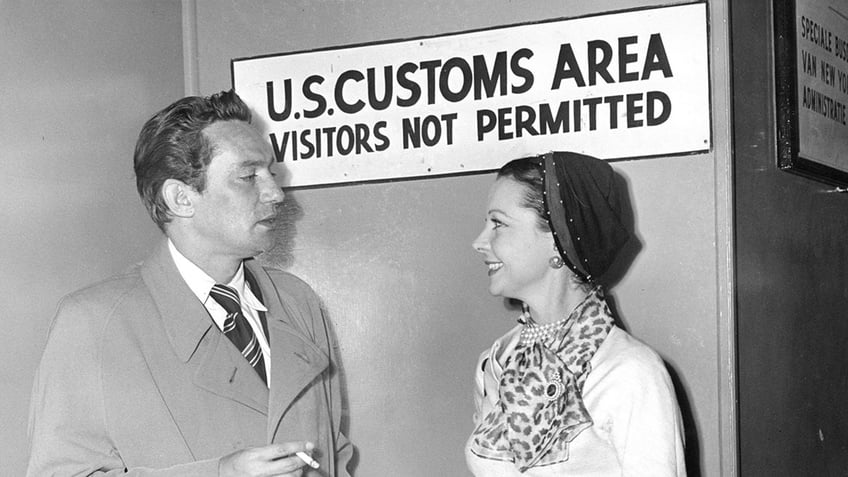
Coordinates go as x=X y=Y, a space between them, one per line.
x=515 y=249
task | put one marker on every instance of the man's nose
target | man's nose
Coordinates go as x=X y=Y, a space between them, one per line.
x=274 y=193
x=279 y=195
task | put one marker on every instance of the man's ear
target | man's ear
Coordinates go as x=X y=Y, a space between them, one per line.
x=178 y=195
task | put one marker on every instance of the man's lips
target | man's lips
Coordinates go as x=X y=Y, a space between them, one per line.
x=269 y=220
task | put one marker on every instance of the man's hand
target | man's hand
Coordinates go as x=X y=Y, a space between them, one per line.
x=277 y=460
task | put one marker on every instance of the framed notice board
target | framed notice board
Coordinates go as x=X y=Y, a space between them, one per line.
x=811 y=86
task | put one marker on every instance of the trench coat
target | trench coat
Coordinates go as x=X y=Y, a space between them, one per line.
x=136 y=378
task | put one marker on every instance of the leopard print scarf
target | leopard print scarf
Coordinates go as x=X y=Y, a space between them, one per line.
x=540 y=407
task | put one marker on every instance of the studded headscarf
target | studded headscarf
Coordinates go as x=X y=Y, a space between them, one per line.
x=584 y=211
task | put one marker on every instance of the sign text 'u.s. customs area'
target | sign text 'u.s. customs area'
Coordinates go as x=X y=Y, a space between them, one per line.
x=621 y=85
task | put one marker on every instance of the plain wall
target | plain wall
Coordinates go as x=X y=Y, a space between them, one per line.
x=407 y=293
x=792 y=275
x=78 y=79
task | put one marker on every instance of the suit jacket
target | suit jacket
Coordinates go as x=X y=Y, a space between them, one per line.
x=136 y=378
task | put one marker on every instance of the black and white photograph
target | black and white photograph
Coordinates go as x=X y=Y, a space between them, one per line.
x=430 y=238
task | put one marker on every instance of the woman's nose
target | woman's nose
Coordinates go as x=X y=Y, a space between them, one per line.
x=481 y=243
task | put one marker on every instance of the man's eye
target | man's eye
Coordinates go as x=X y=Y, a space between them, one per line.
x=249 y=178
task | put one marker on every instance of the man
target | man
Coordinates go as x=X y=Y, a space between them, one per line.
x=163 y=370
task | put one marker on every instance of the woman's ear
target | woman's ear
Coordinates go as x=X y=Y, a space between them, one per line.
x=178 y=196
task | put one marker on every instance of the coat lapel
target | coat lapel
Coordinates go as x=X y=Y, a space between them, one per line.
x=225 y=372
x=299 y=363
x=221 y=369
x=295 y=359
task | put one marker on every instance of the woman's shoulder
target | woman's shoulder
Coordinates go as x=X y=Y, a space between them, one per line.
x=624 y=356
x=627 y=374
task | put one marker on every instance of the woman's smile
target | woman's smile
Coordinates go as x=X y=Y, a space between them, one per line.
x=494 y=267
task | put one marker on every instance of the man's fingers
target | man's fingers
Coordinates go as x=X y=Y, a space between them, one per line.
x=286 y=466
x=286 y=449
x=270 y=460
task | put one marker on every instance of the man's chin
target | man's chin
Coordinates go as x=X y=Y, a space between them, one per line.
x=262 y=246
x=252 y=248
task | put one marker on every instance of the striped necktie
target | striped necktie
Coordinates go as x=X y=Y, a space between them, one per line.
x=237 y=328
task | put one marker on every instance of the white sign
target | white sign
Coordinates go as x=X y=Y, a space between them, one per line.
x=822 y=54
x=621 y=85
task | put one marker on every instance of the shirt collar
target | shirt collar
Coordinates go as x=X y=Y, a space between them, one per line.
x=201 y=283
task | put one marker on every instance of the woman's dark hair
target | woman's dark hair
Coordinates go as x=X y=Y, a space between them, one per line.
x=528 y=172
x=172 y=145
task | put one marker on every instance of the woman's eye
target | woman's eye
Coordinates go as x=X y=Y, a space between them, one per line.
x=497 y=223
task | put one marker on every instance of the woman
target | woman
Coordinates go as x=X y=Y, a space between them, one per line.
x=566 y=392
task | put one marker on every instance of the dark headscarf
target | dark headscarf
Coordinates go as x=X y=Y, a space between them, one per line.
x=584 y=211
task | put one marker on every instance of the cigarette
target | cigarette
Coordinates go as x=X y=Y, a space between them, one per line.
x=308 y=459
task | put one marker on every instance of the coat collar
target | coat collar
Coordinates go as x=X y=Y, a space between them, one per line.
x=185 y=319
x=295 y=358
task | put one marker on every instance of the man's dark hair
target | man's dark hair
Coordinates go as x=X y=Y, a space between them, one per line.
x=172 y=145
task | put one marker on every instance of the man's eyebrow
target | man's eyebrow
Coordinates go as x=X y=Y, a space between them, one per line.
x=256 y=163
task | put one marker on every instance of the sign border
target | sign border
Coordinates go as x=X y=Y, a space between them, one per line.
x=692 y=152
x=789 y=157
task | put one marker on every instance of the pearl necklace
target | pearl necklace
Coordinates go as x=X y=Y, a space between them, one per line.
x=532 y=332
